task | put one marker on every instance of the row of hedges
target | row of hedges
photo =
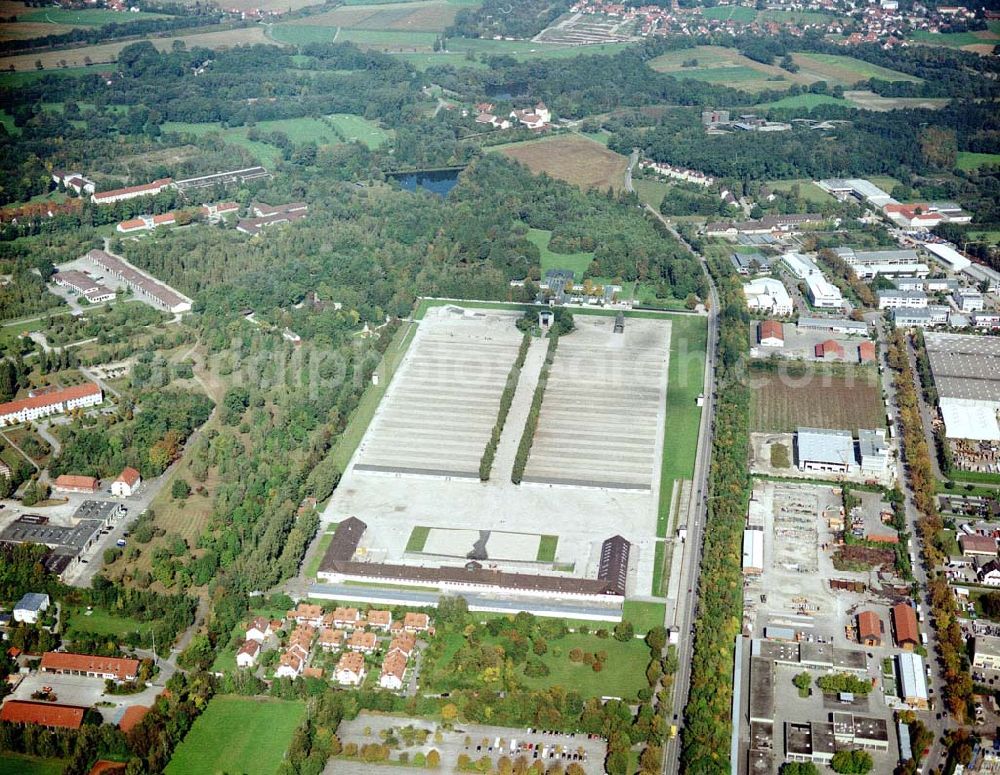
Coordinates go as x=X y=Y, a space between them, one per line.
x=531 y=424
x=506 y=399
x=707 y=726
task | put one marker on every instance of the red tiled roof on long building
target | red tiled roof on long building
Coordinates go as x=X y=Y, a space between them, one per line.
x=53 y=397
x=122 y=668
x=42 y=713
x=904 y=621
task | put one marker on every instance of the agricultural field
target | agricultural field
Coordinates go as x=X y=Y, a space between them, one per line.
x=843 y=70
x=108 y=52
x=808 y=101
x=419 y=16
x=795 y=17
x=716 y=64
x=868 y=100
x=972 y=161
x=572 y=158
x=780 y=405
x=256 y=734
x=87 y=17
x=979 y=42
x=578 y=262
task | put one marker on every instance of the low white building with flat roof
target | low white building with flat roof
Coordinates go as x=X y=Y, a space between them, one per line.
x=893 y=299
x=969 y=300
x=820 y=449
x=986 y=652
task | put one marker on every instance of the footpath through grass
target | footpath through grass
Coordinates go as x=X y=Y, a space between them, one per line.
x=238 y=734
x=688 y=340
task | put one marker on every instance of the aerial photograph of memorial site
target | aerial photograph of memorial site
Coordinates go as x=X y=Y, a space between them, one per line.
x=504 y=387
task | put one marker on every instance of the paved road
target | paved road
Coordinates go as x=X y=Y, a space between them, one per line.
x=920 y=573
x=697 y=512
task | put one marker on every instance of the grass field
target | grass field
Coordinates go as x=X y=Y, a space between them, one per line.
x=659 y=568
x=971 y=161
x=651 y=191
x=357 y=128
x=572 y=158
x=238 y=734
x=686 y=379
x=643 y=615
x=846 y=71
x=324 y=541
x=739 y=13
x=578 y=262
x=16 y=764
x=795 y=17
x=992 y=237
x=417 y=539
x=108 y=52
x=87 y=17
x=547 y=548
x=808 y=101
x=781 y=405
x=808 y=190
x=972 y=41
x=716 y=64
x=101 y=622
x=621 y=676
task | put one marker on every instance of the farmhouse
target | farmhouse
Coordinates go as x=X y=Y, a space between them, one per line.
x=131 y=192
x=51 y=402
x=30 y=607
x=75 y=483
x=904 y=626
x=350 y=669
x=43 y=714
x=108 y=668
x=73 y=180
x=772 y=334
x=127 y=483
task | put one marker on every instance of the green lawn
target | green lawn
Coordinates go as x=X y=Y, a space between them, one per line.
x=739 y=13
x=357 y=128
x=22 y=77
x=957 y=39
x=88 y=17
x=101 y=622
x=238 y=734
x=808 y=190
x=949 y=543
x=735 y=74
x=644 y=616
x=808 y=101
x=16 y=764
x=623 y=674
x=659 y=566
x=547 y=548
x=8 y=123
x=324 y=541
x=992 y=237
x=578 y=262
x=970 y=161
x=837 y=68
x=418 y=539
x=651 y=191
x=688 y=340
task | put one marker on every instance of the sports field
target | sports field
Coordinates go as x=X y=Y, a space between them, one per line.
x=845 y=71
x=573 y=158
x=578 y=262
x=780 y=405
x=971 y=161
x=238 y=734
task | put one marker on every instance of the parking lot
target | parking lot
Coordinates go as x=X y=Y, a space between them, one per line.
x=83 y=691
x=476 y=741
x=800 y=343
